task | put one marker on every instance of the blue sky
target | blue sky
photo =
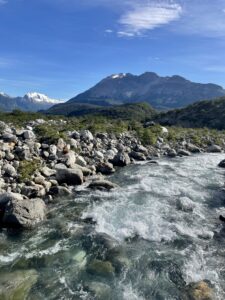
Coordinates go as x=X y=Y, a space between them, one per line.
x=63 y=47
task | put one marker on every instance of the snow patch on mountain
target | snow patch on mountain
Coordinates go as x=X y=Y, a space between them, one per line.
x=120 y=75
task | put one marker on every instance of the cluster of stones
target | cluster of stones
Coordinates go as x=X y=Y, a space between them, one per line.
x=64 y=165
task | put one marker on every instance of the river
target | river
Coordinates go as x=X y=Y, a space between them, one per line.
x=157 y=232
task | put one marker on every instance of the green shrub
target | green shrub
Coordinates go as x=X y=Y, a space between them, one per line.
x=27 y=169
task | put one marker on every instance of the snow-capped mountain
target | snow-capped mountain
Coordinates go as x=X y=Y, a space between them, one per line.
x=30 y=102
x=40 y=98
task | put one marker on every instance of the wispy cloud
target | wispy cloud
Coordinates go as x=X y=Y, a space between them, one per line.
x=2 y=2
x=148 y=16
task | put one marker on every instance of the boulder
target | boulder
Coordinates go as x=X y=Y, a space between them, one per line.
x=172 y=153
x=102 y=185
x=222 y=164
x=70 y=176
x=33 y=191
x=9 y=138
x=23 y=213
x=183 y=152
x=199 y=291
x=17 y=285
x=137 y=155
x=28 y=135
x=86 y=135
x=59 y=191
x=105 y=168
x=142 y=149
x=9 y=171
x=192 y=148
x=214 y=149
x=121 y=159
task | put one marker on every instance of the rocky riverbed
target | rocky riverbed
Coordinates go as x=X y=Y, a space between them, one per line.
x=51 y=188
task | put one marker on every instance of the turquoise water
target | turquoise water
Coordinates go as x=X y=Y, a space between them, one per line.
x=158 y=232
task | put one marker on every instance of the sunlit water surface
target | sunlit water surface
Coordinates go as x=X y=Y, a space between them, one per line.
x=163 y=219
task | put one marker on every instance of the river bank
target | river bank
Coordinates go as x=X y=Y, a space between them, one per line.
x=36 y=169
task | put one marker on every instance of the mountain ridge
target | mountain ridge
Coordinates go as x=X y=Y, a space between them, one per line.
x=32 y=102
x=163 y=93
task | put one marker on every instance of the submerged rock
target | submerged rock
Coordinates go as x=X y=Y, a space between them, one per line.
x=185 y=204
x=102 y=184
x=100 y=291
x=101 y=268
x=199 y=291
x=17 y=285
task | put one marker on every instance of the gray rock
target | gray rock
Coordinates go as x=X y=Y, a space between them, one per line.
x=53 y=149
x=69 y=176
x=9 y=171
x=183 y=152
x=172 y=153
x=81 y=161
x=9 y=138
x=86 y=171
x=70 y=158
x=137 y=155
x=33 y=191
x=59 y=191
x=24 y=213
x=121 y=159
x=9 y=156
x=142 y=149
x=185 y=204
x=75 y=134
x=222 y=164
x=102 y=185
x=47 y=172
x=214 y=149
x=105 y=168
x=192 y=148
x=28 y=135
x=61 y=144
x=86 y=135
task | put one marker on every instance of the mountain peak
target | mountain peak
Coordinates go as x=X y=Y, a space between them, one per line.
x=161 y=92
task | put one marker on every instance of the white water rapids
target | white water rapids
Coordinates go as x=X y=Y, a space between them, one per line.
x=165 y=216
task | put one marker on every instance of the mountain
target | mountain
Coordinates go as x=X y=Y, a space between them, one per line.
x=30 y=102
x=201 y=114
x=133 y=111
x=160 y=92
